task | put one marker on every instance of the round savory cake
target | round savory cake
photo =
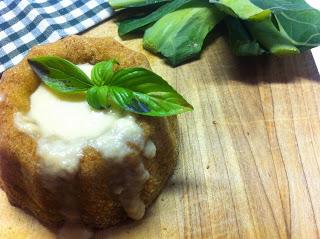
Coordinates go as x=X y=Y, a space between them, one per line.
x=63 y=161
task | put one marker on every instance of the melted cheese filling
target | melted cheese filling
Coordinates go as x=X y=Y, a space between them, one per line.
x=65 y=125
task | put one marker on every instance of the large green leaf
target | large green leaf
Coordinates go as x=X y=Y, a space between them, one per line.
x=297 y=20
x=243 y=9
x=282 y=5
x=130 y=25
x=116 y=4
x=270 y=38
x=179 y=35
x=240 y=41
x=254 y=26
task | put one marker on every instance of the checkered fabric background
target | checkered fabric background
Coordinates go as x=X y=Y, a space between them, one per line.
x=25 y=23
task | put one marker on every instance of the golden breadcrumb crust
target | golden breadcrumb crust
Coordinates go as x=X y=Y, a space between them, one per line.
x=98 y=206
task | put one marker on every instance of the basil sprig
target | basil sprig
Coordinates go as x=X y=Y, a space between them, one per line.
x=136 y=90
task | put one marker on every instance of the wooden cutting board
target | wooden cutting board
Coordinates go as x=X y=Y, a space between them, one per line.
x=249 y=164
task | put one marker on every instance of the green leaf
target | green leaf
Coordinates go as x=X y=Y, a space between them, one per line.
x=240 y=41
x=282 y=5
x=98 y=97
x=297 y=20
x=299 y=23
x=116 y=4
x=133 y=89
x=102 y=72
x=59 y=74
x=270 y=38
x=143 y=92
x=243 y=9
x=134 y=24
x=179 y=35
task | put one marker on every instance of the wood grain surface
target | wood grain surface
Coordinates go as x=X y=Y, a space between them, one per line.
x=249 y=164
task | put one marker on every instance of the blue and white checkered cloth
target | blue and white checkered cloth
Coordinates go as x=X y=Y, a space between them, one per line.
x=25 y=23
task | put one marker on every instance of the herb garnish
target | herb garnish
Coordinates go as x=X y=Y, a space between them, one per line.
x=136 y=90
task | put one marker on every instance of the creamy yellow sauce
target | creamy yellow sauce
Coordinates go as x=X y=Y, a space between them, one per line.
x=64 y=125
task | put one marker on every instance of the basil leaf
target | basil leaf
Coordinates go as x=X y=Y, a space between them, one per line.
x=59 y=74
x=116 y=4
x=243 y=9
x=129 y=101
x=131 y=25
x=98 y=97
x=179 y=35
x=143 y=92
x=240 y=41
x=102 y=72
x=133 y=89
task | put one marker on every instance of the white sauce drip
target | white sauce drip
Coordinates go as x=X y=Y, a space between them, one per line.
x=149 y=150
x=2 y=97
x=64 y=126
x=74 y=231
